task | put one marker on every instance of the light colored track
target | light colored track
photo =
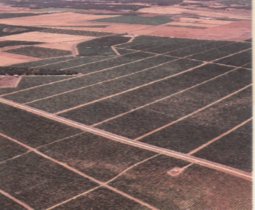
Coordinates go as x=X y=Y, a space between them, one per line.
x=64 y=165
x=219 y=137
x=170 y=153
x=108 y=182
x=192 y=113
x=21 y=203
x=73 y=78
x=164 y=98
x=131 y=89
x=101 y=82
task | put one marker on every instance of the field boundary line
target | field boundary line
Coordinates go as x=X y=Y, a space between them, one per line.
x=166 y=97
x=180 y=170
x=231 y=66
x=74 y=77
x=57 y=62
x=14 y=157
x=131 y=89
x=73 y=198
x=21 y=203
x=145 y=51
x=193 y=113
x=108 y=182
x=219 y=137
x=227 y=56
x=38 y=86
x=110 y=136
x=131 y=167
x=78 y=172
x=99 y=83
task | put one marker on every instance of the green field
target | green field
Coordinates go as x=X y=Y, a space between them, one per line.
x=136 y=19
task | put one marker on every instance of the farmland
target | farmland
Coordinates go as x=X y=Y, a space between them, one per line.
x=125 y=105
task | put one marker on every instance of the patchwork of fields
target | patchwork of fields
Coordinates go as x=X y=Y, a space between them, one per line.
x=176 y=105
x=99 y=112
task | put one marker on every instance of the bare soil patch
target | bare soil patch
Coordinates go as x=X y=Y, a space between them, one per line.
x=8 y=59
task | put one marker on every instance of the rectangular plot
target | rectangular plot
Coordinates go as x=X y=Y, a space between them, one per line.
x=145 y=40
x=221 y=52
x=196 y=48
x=40 y=182
x=135 y=123
x=164 y=88
x=111 y=62
x=96 y=156
x=44 y=62
x=7 y=203
x=167 y=47
x=136 y=19
x=96 y=112
x=30 y=81
x=39 y=52
x=76 y=61
x=56 y=88
x=9 y=149
x=75 y=32
x=202 y=127
x=102 y=199
x=152 y=183
x=191 y=100
x=31 y=129
x=132 y=125
x=102 y=90
x=239 y=59
x=234 y=150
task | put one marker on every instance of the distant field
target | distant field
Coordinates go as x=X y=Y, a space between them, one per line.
x=115 y=5
x=6 y=30
x=75 y=32
x=14 y=15
x=16 y=43
x=135 y=19
x=39 y=52
x=97 y=54
x=100 y=46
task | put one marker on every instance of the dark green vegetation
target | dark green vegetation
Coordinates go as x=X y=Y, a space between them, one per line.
x=40 y=52
x=186 y=102
x=16 y=70
x=98 y=54
x=205 y=125
x=16 y=43
x=15 y=15
x=9 y=149
x=31 y=81
x=236 y=150
x=176 y=103
x=151 y=183
x=102 y=199
x=75 y=32
x=42 y=183
x=88 y=4
x=99 y=151
x=28 y=125
x=7 y=203
x=100 y=46
x=239 y=59
x=137 y=19
x=6 y=30
x=223 y=4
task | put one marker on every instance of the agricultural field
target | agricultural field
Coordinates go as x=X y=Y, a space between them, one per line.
x=126 y=105
x=6 y=30
x=135 y=19
x=15 y=15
